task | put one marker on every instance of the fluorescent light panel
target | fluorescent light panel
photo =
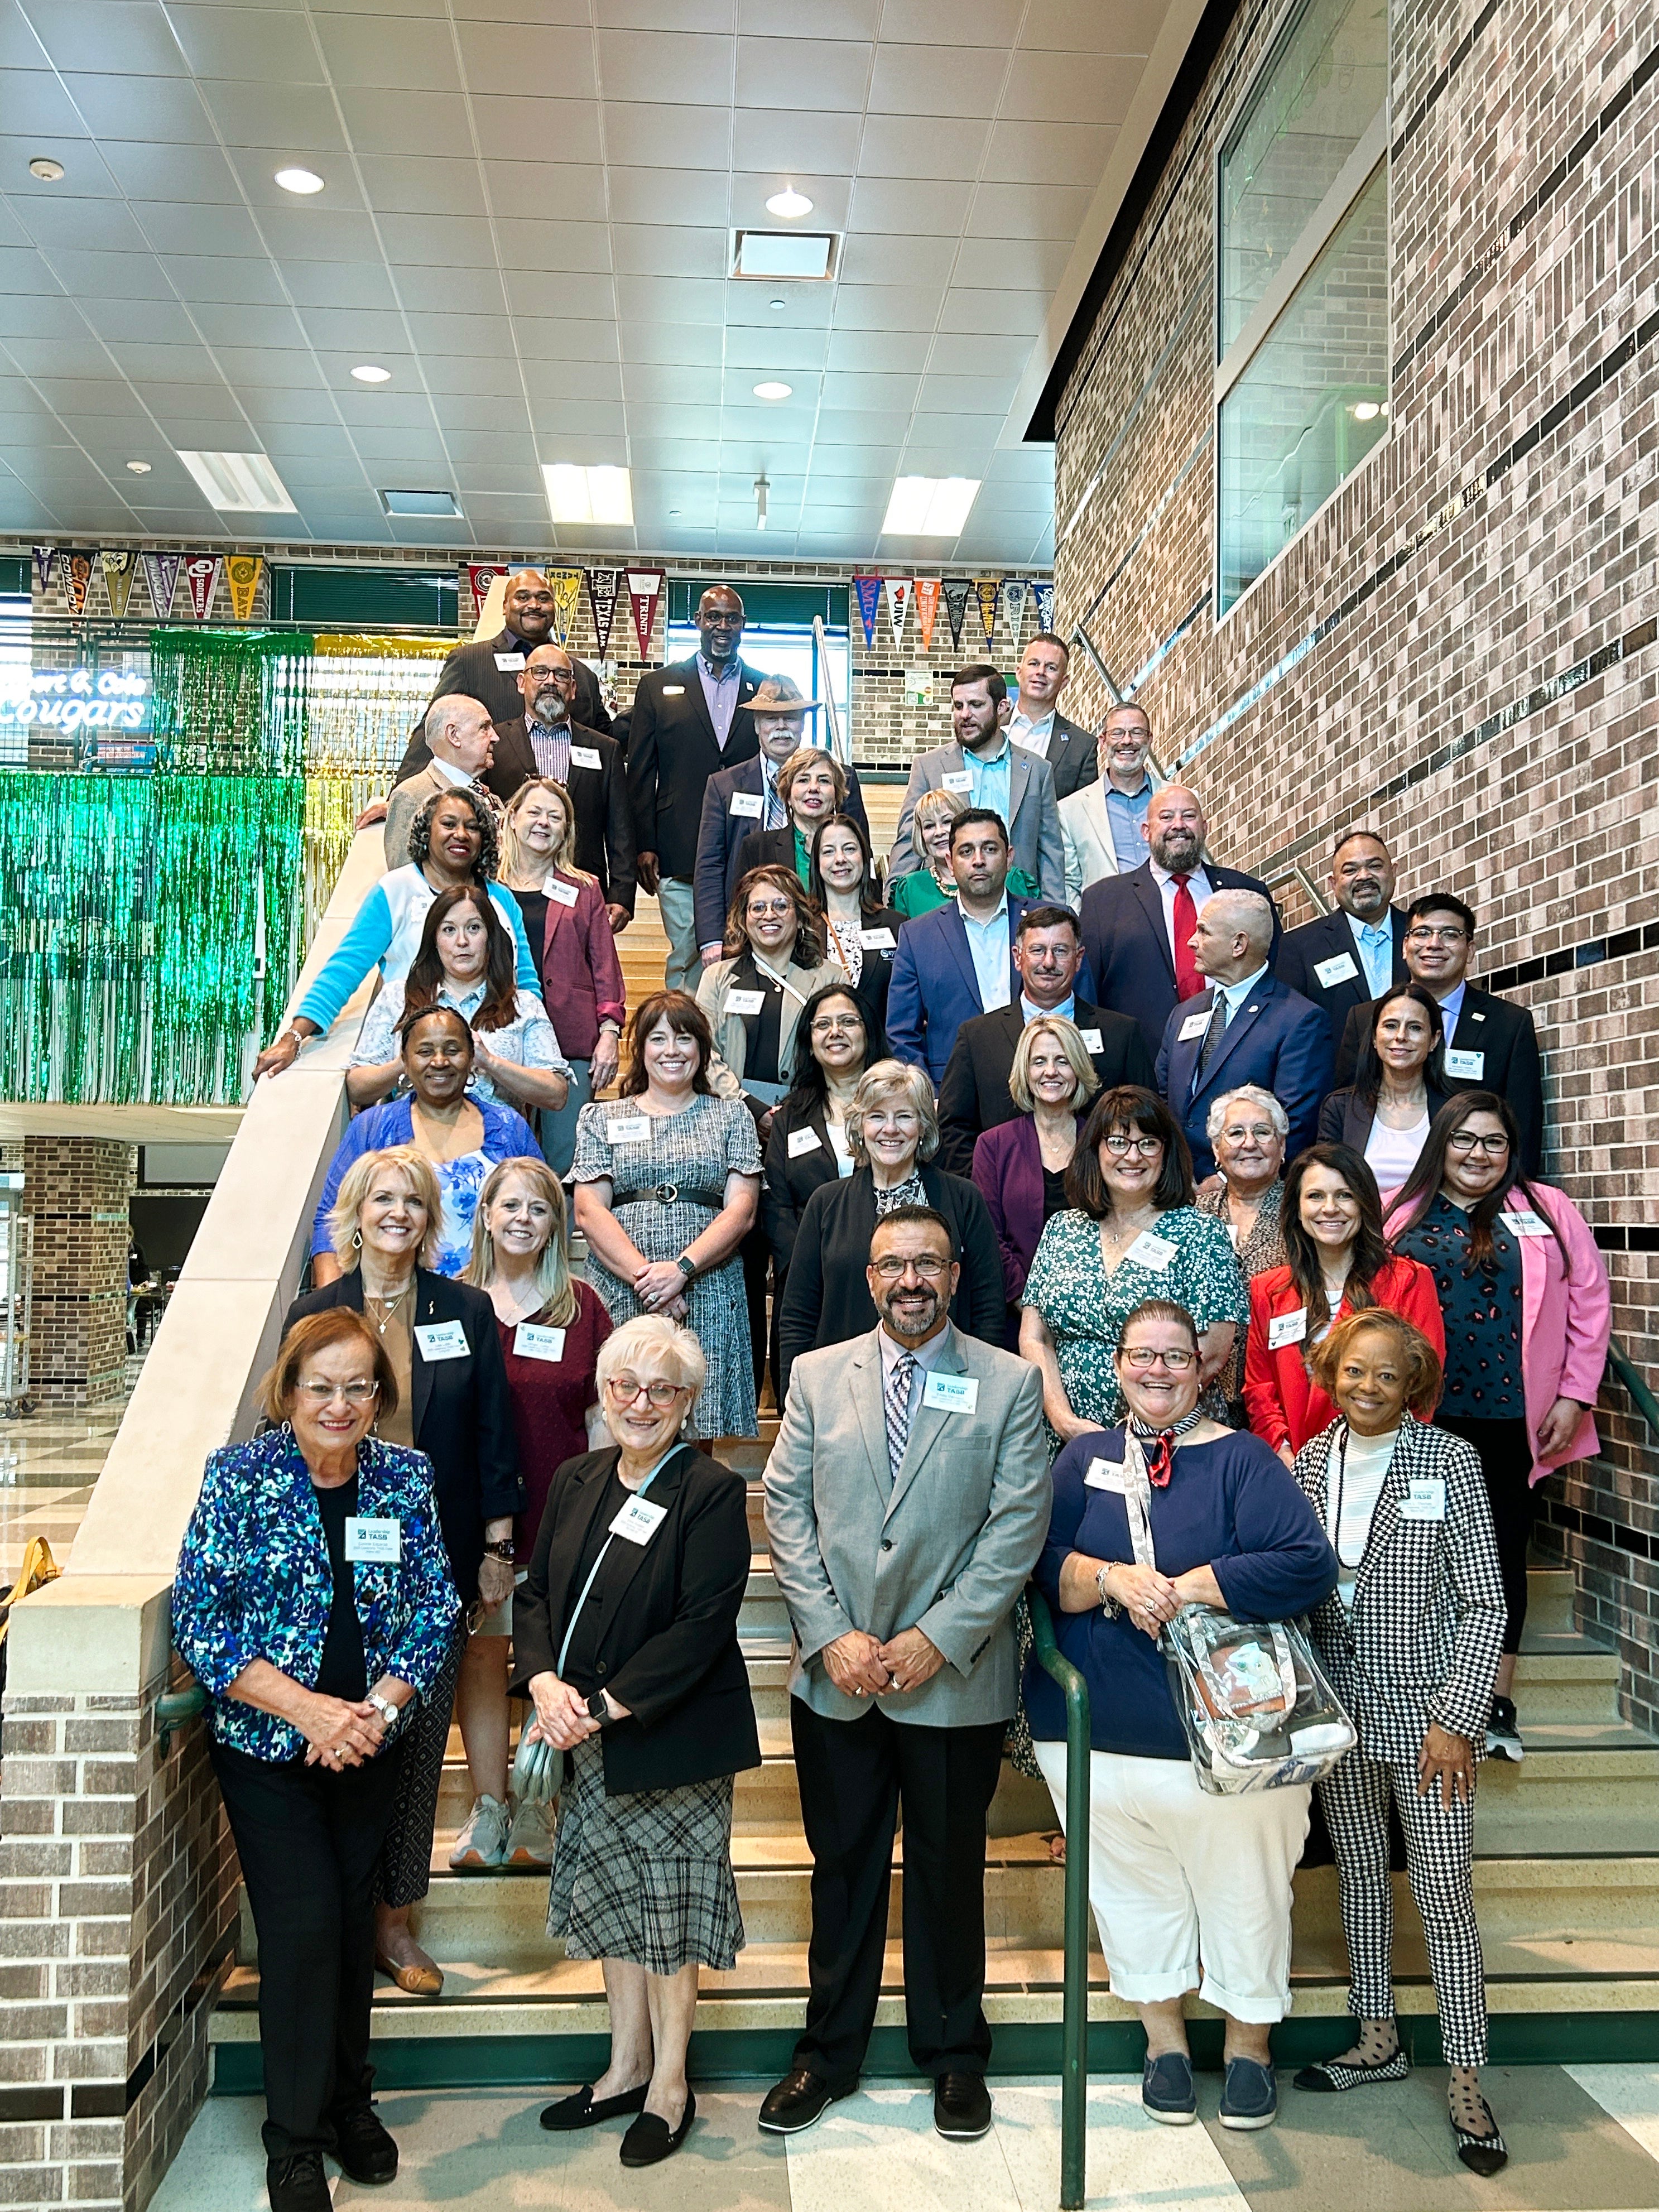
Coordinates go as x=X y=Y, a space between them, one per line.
x=240 y=483
x=929 y=506
x=808 y=254
x=575 y=494
x=420 y=502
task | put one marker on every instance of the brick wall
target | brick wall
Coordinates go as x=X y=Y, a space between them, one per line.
x=1460 y=648
x=76 y=1188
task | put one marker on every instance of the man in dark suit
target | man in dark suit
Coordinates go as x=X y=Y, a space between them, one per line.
x=544 y=741
x=487 y=669
x=1355 y=953
x=1492 y=1044
x=974 y=1095
x=1245 y=1026
x=1138 y=928
x=689 y=720
x=1037 y=724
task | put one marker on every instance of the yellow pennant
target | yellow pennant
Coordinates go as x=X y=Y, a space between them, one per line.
x=242 y=573
x=566 y=585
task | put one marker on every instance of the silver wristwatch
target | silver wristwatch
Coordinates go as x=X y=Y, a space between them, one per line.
x=392 y=1716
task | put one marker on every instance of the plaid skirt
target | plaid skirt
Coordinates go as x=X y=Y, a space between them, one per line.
x=646 y=1876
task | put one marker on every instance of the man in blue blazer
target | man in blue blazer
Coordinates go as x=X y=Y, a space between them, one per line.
x=958 y=960
x=1245 y=1026
x=1138 y=927
x=1355 y=953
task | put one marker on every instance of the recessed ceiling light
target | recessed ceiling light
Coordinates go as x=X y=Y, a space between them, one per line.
x=1366 y=410
x=796 y=254
x=789 y=203
x=675 y=511
x=48 y=171
x=776 y=306
x=240 y=483
x=440 y=503
x=929 y=506
x=369 y=374
x=139 y=468
x=299 y=180
x=575 y=494
x=773 y=390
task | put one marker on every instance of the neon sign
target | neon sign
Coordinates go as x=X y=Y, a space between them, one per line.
x=72 y=699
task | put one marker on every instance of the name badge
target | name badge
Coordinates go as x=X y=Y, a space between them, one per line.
x=877 y=940
x=443 y=1339
x=1194 y=1025
x=950 y=1394
x=1425 y=1500
x=749 y=802
x=639 y=1520
x=509 y=663
x=378 y=1543
x=673 y=690
x=561 y=894
x=1525 y=1223
x=531 y=1342
x=1287 y=1329
x=629 y=1129
x=1092 y=1041
x=1467 y=1066
x=585 y=757
x=1342 y=969
x=744 y=1002
x=1152 y=1251
x=804 y=1141
x=961 y=779
x=1107 y=1474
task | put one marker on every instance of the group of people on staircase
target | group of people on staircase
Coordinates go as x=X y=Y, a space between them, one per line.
x=1097 y=1237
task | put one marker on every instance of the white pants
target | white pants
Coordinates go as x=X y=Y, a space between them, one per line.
x=683 y=968
x=1174 y=1872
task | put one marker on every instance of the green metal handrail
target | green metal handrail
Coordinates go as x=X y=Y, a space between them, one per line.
x=175 y=1710
x=1635 y=1382
x=1074 y=2027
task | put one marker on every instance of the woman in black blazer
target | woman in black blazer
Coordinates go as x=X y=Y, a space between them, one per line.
x=862 y=932
x=454 y=1406
x=894 y=1133
x=1385 y=1113
x=808 y=1143
x=626 y=1636
x=812 y=786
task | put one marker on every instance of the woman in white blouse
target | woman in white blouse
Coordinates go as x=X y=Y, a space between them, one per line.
x=1396 y=1090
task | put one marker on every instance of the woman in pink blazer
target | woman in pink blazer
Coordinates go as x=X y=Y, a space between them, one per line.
x=1019 y=1166
x=1524 y=1295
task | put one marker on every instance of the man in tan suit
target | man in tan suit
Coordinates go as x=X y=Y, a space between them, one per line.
x=461 y=739
x=1100 y=824
x=907 y=1500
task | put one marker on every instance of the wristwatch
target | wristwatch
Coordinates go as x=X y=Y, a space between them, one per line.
x=392 y=1716
x=499 y=1547
x=687 y=1265
x=596 y=1708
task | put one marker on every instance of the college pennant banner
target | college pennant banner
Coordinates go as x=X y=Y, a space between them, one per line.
x=1043 y=594
x=926 y=609
x=119 y=569
x=955 y=590
x=987 y=591
x=201 y=575
x=566 y=585
x=1014 y=606
x=242 y=573
x=603 y=585
x=868 y=589
x=644 y=590
x=43 y=557
x=161 y=580
x=480 y=575
x=898 y=605
x=74 y=578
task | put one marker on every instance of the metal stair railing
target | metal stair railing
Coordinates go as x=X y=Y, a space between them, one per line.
x=1074 y=2020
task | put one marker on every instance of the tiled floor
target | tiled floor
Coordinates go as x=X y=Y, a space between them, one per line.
x=1583 y=2139
x=49 y=1461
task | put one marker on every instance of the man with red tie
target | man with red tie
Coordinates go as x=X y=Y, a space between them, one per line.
x=1138 y=928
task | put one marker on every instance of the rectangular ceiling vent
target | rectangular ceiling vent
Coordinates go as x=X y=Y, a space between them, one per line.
x=440 y=503
x=801 y=256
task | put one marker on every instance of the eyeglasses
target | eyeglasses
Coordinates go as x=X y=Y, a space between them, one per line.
x=901 y=1124
x=319 y=1394
x=759 y=908
x=721 y=621
x=1144 y=1355
x=626 y=1389
x=927 y=1267
x=1118 y=1145
x=1450 y=936
x=1465 y=1140
x=838 y=1025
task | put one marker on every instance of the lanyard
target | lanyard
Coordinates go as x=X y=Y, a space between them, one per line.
x=593 y=1572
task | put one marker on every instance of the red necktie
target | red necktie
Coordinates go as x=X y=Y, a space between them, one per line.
x=1188 y=982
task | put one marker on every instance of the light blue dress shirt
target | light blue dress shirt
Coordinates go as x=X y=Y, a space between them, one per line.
x=992 y=780
x=722 y=694
x=1124 y=817
x=1236 y=993
x=1451 y=1007
x=987 y=947
x=1375 y=946
x=1028 y=1013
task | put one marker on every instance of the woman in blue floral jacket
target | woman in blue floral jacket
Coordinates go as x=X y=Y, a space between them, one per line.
x=313 y=1600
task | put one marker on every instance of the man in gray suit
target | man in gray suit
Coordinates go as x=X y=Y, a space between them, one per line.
x=989 y=771
x=906 y=1499
x=461 y=739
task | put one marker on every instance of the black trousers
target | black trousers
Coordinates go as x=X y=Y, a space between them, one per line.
x=854 y=1777
x=308 y=1842
x=1505 y=1454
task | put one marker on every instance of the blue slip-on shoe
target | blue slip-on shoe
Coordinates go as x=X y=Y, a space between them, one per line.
x=1167 y=2091
x=1250 y=2099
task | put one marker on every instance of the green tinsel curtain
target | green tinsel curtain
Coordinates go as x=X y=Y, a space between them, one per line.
x=149 y=932
x=231 y=702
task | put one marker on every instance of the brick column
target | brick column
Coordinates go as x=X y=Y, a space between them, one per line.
x=76 y=1188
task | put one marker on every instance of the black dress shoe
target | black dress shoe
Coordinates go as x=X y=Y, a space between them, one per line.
x=649 y=2140
x=584 y=2111
x=796 y=2101
x=298 y=2184
x=366 y=2152
x=962 y=2107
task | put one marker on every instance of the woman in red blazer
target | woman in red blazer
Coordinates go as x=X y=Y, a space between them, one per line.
x=1337 y=1262
x=570 y=932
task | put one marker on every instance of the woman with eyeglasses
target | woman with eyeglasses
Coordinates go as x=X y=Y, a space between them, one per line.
x=1385 y=1113
x=863 y=932
x=1336 y=1263
x=812 y=785
x=1528 y=1313
x=1248 y=1130
x=893 y=1132
x=1130 y=1232
x=1175 y=1874
x=625 y=1635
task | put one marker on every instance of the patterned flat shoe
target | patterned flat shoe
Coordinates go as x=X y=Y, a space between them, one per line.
x=1338 y=2074
x=1485 y=2154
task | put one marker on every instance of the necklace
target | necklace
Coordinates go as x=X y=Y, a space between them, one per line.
x=387 y=1307
x=1128 y=1228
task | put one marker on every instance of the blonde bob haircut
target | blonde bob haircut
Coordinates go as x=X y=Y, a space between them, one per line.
x=1069 y=1038
x=930 y=808
x=315 y=1332
x=889 y=1079
x=1417 y=1360
x=516 y=861
x=557 y=1293
x=359 y=1179
x=812 y=756
x=654 y=1336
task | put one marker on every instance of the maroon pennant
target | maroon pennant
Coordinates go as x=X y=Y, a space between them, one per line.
x=201 y=575
x=644 y=590
x=603 y=586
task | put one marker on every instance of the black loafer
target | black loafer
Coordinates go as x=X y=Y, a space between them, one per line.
x=649 y=2140
x=298 y=2184
x=581 y=2112
x=797 y=2101
x=962 y=2107
x=366 y=2153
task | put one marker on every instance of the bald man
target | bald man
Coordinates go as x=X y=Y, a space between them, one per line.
x=1138 y=925
x=1244 y=1026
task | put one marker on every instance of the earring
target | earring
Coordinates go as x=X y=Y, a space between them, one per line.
x=356 y=1240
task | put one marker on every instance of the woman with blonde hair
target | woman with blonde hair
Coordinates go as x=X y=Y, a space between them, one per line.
x=439 y=1337
x=932 y=884
x=1019 y=1166
x=812 y=785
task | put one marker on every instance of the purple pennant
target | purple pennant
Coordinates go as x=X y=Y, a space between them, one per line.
x=43 y=557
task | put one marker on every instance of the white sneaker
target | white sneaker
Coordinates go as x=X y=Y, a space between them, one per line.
x=482 y=1841
x=530 y=1839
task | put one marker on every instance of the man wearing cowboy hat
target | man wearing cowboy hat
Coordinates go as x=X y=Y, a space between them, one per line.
x=738 y=800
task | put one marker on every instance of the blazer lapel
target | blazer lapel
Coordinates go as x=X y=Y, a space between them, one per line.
x=626 y=1559
x=1152 y=904
x=1100 y=824
x=426 y=1309
x=1385 y=1520
x=872 y=1409
x=956 y=936
x=691 y=671
x=590 y=1489
x=1242 y=1023
x=929 y=1425
x=1019 y=777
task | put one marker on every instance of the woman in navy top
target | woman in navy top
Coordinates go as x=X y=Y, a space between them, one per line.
x=1172 y=1870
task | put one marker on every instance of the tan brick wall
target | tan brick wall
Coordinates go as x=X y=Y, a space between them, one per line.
x=76 y=1189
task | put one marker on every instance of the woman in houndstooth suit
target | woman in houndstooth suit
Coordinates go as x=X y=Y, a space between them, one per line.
x=1410 y=1636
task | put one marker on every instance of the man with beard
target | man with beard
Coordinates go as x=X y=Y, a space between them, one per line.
x=545 y=740
x=1357 y=952
x=1100 y=824
x=907 y=1500
x=989 y=771
x=488 y=668
x=1138 y=928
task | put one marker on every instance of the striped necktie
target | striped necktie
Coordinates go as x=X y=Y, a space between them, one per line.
x=897 y=1399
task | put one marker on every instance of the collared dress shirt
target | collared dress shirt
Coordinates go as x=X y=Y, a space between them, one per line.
x=987 y=947
x=720 y=690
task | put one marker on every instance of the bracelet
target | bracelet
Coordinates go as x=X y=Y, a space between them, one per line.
x=1109 y=1605
x=499 y=1548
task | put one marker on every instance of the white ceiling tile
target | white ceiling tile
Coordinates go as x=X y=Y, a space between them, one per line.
x=966 y=395
x=393 y=122
x=670 y=250
x=806 y=306
x=848 y=426
x=891 y=259
x=1053 y=88
x=567 y=339
x=172 y=364
x=208 y=278
x=1086 y=27
x=274 y=368
x=39 y=315
x=518 y=128
x=898 y=350
x=676 y=299
x=95 y=224
x=980 y=353
x=966 y=309
x=831 y=196
x=457 y=411
x=823 y=144
x=271 y=408
x=389 y=52
x=299 y=234
x=776 y=347
x=887 y=306
x=339 y=284
x=912 y=207
x=572 y=381
x=172 y=173
x=464 y=372
x=973 y=23
x=170 y=109
x=503 y=448
x=514 y=56
x=656 y=455
x=269 y=45
x=679 y=68
x=129 y=35
x=558 y=247
x=367 y=332
x=481 y=480
x=540 y=189
x=450 y=291
x=558 y=418
x=785 y=74
x=411 y=183
x=693 y=344
x=921 y=146
x=1051 y=153
x=279 y=121
x=37 y=104
x=649 y=419
x=1016 y=264
x=583 y=297
x=638 y=133
x=119 y=276
x=256 y=169
x=936 y=80
x=859 y=388
x=187 y=227
x=160 y=322
x=447 y=241
x=694 y=195
x=810 y=19
x=403 y=411
x=393 y=455
x=1051 y=211
x=672 y=382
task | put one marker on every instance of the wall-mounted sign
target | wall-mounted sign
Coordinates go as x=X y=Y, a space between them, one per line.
x=73 y=699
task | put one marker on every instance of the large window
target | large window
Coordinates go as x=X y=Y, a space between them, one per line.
x=1302 y=323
